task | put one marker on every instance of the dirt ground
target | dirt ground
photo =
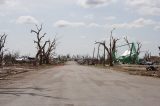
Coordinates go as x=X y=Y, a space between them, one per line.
x=75 y=85
x=9 y=74
x=12 y=70
x=138 y=70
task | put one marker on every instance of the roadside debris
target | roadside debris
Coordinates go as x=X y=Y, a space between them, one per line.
x=151 y=68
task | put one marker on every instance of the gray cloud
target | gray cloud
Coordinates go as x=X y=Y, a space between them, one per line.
x=2 y=2
x=64 y=23
x=145 y=7
x=94 y=3
x=139 y=23
x=26 y=20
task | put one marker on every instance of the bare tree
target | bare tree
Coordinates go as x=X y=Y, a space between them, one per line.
x=128 y=43
x=111 y=48
x=2 y=45
x=50 y=50
x=40 y=46
x=103 y=43
x=10 y=58
x=147 y=56
x=139 y=46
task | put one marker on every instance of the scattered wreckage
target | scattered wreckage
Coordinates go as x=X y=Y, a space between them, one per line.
x=152 y=68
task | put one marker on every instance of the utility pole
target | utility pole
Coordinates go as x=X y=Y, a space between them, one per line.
x=104 y=55
x=111 y=39
x=159 y=50
x=98 y=52
x=112 y=47
x=93 y=52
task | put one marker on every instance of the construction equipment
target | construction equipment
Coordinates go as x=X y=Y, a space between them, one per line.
x=128 y=57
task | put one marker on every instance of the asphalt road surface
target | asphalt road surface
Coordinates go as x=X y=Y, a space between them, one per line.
x=75 y=85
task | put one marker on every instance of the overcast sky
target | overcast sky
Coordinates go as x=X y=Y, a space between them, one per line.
x=79 y=23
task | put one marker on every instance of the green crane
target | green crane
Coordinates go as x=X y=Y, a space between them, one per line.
x=129 y=57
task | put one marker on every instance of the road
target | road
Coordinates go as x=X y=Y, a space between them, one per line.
x=75 y=85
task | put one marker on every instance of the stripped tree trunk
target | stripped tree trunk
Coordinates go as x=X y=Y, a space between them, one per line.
x=2 y=45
